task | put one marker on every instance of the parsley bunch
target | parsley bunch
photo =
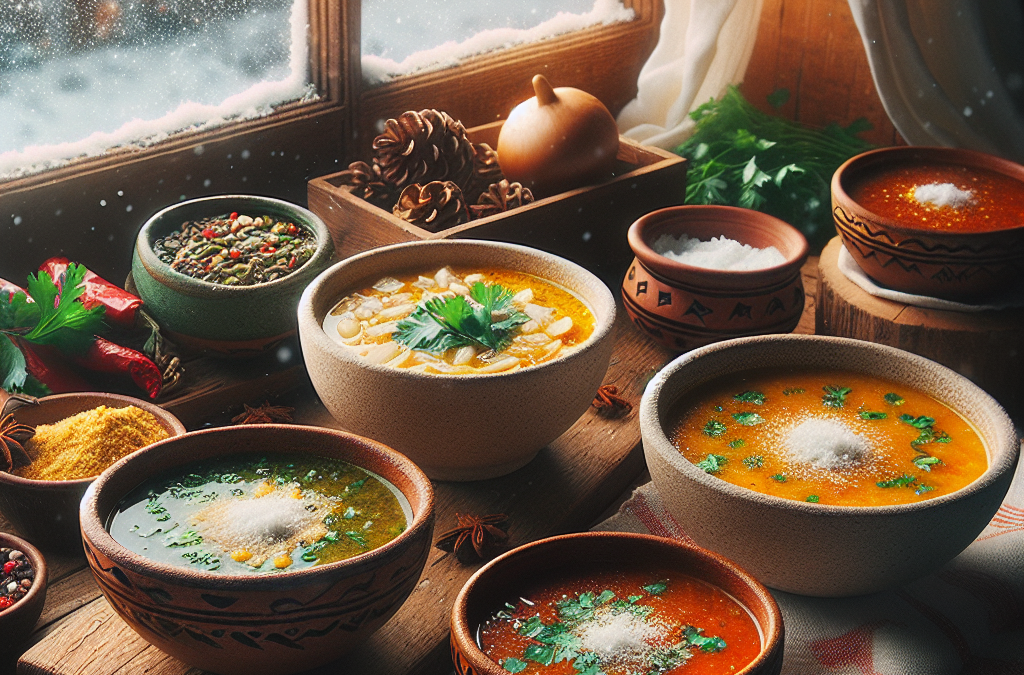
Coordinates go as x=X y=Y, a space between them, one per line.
x=742 y=157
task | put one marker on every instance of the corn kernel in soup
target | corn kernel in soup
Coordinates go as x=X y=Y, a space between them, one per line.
x=828 y=437
x=460 y=322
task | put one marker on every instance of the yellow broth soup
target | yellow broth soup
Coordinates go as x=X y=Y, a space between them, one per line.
x=260 y=514
x=829 y=437
x=462 y=322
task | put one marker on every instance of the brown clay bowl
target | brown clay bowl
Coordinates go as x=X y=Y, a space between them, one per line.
x=949 y=265
x=439 y=421
x=281 y=623
x=818 y=549
x=682 y=306
x=46 y=511
x=18 y=620
x=505 y=578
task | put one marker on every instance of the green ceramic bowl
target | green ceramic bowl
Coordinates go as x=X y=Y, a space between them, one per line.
x=235 y=320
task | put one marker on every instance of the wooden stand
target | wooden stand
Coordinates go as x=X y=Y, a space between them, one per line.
x=985 y=347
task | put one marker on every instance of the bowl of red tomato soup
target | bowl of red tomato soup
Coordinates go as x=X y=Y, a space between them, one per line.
x=940 y=222
x=614 y=603
x=826 y=466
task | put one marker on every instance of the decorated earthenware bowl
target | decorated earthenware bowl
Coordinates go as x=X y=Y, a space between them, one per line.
x=682 y=306
x=18 y=620
x=944 y=260
x=46 y=511
x=235 y=320
x=817 y=548
x=456 y=426
x=502 y=585
x=278 y=622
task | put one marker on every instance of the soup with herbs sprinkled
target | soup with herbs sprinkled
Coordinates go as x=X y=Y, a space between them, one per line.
x=460 y=322
x=828 y=437
x=621 y=623
x=260 y=514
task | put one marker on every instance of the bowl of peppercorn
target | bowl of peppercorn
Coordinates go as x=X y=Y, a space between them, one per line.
x=22 y=590
x=224 y=273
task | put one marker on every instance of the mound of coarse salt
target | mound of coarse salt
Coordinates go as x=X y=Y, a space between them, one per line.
x=825 y=444
x=943 y=194
x=721 y=253
x=620 y=639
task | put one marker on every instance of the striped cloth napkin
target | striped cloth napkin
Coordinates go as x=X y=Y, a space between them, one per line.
x=966 y=619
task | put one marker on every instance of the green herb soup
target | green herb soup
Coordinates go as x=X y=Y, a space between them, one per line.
x=260 y=514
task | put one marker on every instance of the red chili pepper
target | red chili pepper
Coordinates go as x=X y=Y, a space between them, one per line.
x=5 y=602
x=292 y=229
x=209 y=233
x=106 y=357
x=120 y=304
x=48 y=366
x=235 y=253
x=234 y=214
x=9 y=566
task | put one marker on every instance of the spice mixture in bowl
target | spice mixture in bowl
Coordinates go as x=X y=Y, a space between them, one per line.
x=23 y=577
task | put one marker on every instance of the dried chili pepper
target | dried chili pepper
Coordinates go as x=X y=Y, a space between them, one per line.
x=48 y=366
x=120 y=304
x=106 y=357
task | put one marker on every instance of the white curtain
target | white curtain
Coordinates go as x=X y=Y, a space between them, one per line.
x=704 y=46
x=936 y=65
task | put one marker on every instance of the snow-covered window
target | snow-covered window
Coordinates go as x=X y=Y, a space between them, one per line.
x=403 y=38
x=79 y=77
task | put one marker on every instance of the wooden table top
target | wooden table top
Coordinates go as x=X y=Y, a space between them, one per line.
x=570 y=486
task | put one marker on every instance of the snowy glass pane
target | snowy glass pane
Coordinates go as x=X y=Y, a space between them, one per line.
x=400 y=37
x=78 y=77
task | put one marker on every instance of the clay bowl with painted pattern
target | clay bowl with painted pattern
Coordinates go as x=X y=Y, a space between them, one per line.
x=456 y=427
x=46 y=511
x=937 y=262
x=18 y=620
x=276 y=623
x=682 y=306
x=823 y=549
x=518 y=573
x=239 y=321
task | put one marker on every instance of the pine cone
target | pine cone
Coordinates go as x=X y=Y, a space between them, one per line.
x=486 y=171
x=435 y=206
x=501 y=197
x=369 y=184
x=422 y=147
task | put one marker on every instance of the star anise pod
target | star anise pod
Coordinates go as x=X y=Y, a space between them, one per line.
x=476 y=537
x=424 y=146
x=435 y=206
x=500 y=197
x=13 y=436
x=264 y=414
x=370 y=184
x=486 y=171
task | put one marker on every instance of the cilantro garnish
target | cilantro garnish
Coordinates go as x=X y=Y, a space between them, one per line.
x=868 y=415
x=894 y=399
x=901 y=481
x=714 y=428
x=928 y=432
x=712 y=463
x=748 y=419
x=835 y=396
x=738 y=443
x=705 y=644
x=657 y=588
x=812 y=499
x=781 y=477
x=922 y=422
x=753 y=462
x=793 y=390
x=440 y=324
x=922 y=488
x=513 y=665
x=926 y=462
x=755 y=397
x=357 y=538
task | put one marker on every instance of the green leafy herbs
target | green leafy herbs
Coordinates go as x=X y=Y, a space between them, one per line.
x=927 y=433
x=835 y=396
x=714 y=428
x=513 y=665
x=926 y=462
x=748 y=419
x=657 y=588
x=901 y=481
x=709 y=645
x=921 y=422
x=753 y=462
x=793 y=390
x=894 y=399
x=868 y=415
x=755 y=397
x=54 y=316
x=440 y=324
x=780 y=477
x=743 y=157
x=712 y=463
x=814 y=499
x=738 y=443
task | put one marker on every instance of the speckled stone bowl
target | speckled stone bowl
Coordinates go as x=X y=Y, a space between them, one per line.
x=456 y=427
x=18 y=620
x=46 y=511
x=817 y=549
x=683 y=307
x=968 y=266
x=230 y=320
x=505 y=578
x=272 y=624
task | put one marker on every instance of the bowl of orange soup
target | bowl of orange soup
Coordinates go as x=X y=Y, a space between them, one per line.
x=614 y=603
x=826 y=466
x=466 y=356
x=940 y=222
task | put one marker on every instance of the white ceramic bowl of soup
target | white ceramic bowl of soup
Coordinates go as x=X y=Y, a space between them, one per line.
x=456 y=426
x=822 y=549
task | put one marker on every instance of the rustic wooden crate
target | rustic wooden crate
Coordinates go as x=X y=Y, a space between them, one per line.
x=587 y=225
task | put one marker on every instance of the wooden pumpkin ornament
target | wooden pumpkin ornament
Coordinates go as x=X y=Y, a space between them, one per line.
x=558 y=140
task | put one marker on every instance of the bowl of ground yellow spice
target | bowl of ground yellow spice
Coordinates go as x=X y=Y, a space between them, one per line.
x=76 y=436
